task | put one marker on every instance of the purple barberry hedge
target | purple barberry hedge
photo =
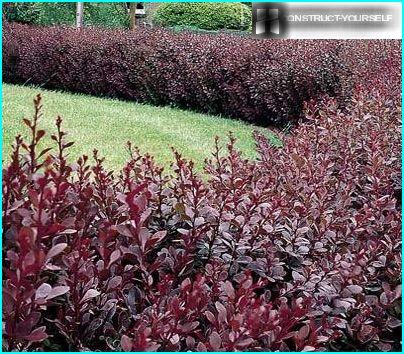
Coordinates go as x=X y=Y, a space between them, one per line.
x=297 y=250
x=259 y=81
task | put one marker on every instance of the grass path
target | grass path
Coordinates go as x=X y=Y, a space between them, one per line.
x=108 y=124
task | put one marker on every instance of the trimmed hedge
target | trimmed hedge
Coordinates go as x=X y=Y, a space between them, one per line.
x=208 y=16
x=62 y=13
x=259 y=81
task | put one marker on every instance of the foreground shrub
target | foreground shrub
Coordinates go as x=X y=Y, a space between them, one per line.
x=299 y=250
x=208 y=16
x=259 y=81
x=61 y=13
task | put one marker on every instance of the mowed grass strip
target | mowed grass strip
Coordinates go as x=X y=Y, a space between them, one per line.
x=107 y=124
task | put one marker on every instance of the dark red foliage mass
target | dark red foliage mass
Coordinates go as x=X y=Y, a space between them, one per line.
x=259 y=81
x=299 y=250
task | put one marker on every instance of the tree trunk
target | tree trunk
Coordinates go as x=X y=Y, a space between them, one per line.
x=132 y=15
x=80 y=14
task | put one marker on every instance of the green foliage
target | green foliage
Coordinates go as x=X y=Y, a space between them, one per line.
x=54 y=13
x=106 y=14
x=45 y=14
x=207 y=16
x=19 y=12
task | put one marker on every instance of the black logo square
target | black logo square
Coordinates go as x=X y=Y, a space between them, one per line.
x=269 y=20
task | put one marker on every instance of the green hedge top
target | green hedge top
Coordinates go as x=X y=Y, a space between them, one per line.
x=208 y=16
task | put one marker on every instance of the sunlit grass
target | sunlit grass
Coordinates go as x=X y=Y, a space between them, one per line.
x=107 y=124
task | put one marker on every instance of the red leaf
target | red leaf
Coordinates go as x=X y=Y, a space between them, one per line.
x=40 y=134
x=67 y=145
x=114 y=282
x=115 y=255
x=215 y=341
x=27 y=122
x=37 y=335
x=222 y=312
x=91 y=293
x=228 y=289
x=55 y=250
x=43 y=291
x=355 y=289
x=58 y=291
x=126 y=343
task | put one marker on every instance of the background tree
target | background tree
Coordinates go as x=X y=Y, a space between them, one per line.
x=96 y=14
x=80 y=14
x=132 y=15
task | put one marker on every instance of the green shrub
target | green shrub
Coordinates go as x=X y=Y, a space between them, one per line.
x=54 y=13
x=106 y=14
x=208 y=16
x=45 y=14
x=19 y=12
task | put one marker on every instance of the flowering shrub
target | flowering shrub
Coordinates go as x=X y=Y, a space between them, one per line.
x=299 y=250
x=259 y=81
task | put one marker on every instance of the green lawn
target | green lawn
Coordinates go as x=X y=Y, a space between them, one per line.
x=106 y=124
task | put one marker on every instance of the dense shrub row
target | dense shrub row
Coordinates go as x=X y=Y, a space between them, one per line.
x=254 y=80
x=375 y=65
x=299 y=250
x=62 y=13
x=208 y=16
